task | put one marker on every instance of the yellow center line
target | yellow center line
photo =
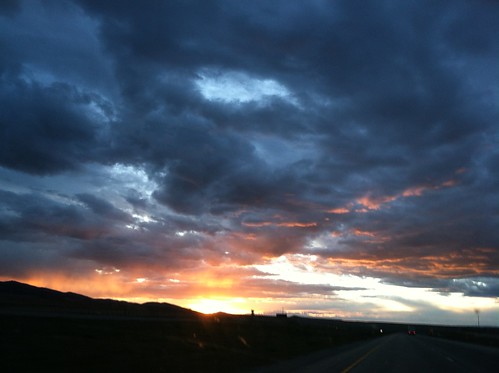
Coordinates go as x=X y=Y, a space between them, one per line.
x=359 y=360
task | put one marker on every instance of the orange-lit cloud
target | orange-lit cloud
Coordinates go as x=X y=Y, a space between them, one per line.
x=414 y=192
x=372 y=203
x=455 y=265
x=359 y=232
x=375 y=203
x=286 y=224
x=339 y=210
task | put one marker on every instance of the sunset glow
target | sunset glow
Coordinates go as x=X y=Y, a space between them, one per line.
x=210 y=306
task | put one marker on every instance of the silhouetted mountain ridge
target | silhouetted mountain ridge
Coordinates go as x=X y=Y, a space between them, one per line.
x=17 y=297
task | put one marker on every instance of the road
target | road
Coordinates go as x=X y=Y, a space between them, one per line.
x=397 y=353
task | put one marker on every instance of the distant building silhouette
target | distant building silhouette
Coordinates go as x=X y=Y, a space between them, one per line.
x=281 y=314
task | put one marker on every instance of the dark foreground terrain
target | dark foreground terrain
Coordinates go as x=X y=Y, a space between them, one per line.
x=42 y=330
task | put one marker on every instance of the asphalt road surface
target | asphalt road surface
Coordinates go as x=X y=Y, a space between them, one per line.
x=397 y=353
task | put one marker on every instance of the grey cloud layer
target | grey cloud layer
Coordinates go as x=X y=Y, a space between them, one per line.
x=387 y=95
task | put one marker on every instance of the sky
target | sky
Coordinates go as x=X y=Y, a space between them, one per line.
x=325 y=158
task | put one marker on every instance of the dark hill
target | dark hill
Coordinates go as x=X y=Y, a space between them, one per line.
x=17 y=297
x=44 y=330
x=20 y=291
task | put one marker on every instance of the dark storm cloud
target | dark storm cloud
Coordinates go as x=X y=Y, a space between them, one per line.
x=484 y=287
x=45 y=130
x=379 y=128
x=49 y=121
x=471 y=286
x=288 y=289
x=90 y=228
x=403 y=100
x=103 y=208
x=34 y=217
x=9 y=7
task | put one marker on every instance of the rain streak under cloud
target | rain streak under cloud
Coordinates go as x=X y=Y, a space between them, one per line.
x=329 y=158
